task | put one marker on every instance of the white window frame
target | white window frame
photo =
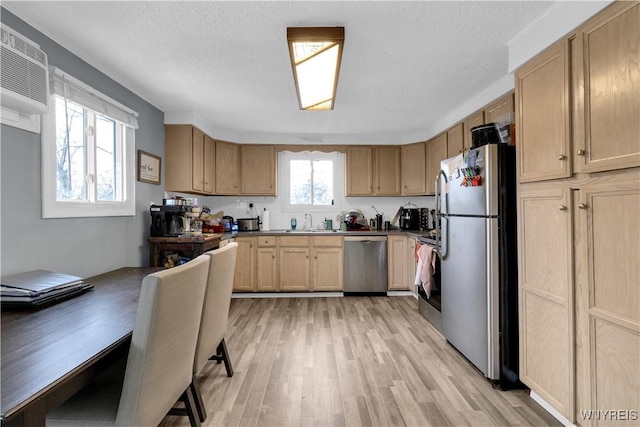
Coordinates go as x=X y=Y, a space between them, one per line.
x=285 y=157
x=80 y=93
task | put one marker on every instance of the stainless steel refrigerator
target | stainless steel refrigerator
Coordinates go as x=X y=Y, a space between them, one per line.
x=476 y=204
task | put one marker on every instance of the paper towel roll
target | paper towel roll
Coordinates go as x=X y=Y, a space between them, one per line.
x=265 y=220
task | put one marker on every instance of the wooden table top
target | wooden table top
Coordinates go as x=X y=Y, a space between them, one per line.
x=42 y=348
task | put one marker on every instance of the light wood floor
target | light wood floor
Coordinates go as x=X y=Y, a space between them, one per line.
x=371 y=361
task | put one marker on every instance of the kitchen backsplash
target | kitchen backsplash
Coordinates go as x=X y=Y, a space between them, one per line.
x=238 y=207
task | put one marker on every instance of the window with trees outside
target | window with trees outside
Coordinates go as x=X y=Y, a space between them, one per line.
x=88 y=153
x=311 y=178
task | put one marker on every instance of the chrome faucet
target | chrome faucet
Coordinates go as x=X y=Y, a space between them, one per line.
x=307 y=214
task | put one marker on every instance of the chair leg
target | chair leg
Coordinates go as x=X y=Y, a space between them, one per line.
x=197 y=396
x=222 y=355
x=189 y=404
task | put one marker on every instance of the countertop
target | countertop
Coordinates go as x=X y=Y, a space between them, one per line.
x=394 y=232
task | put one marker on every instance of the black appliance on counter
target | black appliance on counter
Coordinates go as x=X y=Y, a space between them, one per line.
x=248 y=224
x=410 y=219
x=166 y=220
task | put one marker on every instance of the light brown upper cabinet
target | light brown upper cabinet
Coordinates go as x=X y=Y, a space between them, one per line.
x=455 y=144
x=386 y=174
x=227 y=165
x=359 y=171
x=258 y=170
x=437 y=151
x=189 y=160
x=373 y=171
x=543 y=130
x=606 y=81
x=472 y=121
x=414 y=169
x=497 y=110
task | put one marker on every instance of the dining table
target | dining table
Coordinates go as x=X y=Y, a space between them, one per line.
x=50 y=353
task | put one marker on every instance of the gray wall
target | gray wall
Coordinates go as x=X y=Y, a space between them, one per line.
x=80 y=246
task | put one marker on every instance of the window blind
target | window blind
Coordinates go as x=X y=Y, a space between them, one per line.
x=74 y=90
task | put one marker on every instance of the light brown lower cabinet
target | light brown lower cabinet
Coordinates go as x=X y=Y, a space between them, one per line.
x=579 y=296
x=293 y=263
x=266 y=264
x=244 y=280
x=289 y=264
x=327 y=267
x=545 y=270
x=397 y=254
x=607 y=244
x=411 y=263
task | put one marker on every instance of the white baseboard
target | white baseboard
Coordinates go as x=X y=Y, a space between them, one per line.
x=401 y=294
x=309 y=294
x=550 y=409
x=286 y=294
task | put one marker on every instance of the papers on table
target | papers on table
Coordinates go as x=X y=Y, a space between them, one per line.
x=37 y=287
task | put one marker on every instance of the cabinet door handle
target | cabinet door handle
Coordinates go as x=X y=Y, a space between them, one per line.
x=562 y=157
x=562 y=207
x=583 y=206
x=580 y=152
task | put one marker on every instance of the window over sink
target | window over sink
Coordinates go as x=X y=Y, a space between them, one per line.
x=312 y=180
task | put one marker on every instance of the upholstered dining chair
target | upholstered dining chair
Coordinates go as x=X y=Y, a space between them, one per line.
x=215 y=313
x=159 y=367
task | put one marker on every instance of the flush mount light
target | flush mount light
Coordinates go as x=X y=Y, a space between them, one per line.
x=315 y=54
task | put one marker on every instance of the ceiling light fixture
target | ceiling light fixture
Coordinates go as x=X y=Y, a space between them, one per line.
x=315 y=54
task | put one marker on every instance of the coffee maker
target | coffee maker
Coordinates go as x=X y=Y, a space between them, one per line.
x=410 y=219
x=167 y=220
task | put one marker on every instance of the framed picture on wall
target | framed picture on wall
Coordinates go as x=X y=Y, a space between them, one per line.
x=148 y=167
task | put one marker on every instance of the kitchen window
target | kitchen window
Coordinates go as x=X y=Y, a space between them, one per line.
x=311 y=180
x=88 y=160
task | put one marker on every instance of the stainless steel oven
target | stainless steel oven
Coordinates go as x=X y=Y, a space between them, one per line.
x=430 y=307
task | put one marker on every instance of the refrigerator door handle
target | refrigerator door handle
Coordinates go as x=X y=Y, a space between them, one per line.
x=441 y=247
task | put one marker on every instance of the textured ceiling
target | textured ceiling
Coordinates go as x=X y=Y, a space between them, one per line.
x=405 y=64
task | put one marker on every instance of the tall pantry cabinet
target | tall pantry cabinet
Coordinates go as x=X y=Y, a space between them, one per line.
x=578 y=137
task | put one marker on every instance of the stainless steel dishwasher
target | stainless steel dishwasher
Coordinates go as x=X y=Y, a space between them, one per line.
x=365 y=265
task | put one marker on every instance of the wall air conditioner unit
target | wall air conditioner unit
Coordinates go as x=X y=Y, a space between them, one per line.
x=24 y=74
